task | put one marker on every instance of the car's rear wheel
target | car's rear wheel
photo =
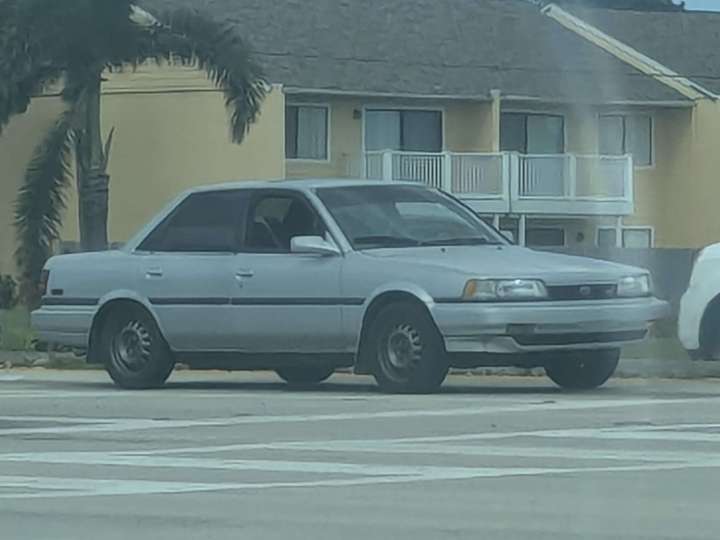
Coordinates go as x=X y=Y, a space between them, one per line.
x=584 y=371
x=135 y=353
x=408 y=353
x=305 y=375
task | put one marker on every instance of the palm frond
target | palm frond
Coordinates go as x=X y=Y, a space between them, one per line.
x=26 y=66
x=41 y=202
x=188 y=37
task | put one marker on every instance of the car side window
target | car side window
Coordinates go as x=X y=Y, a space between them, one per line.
x=275 y=219
x=210 y=222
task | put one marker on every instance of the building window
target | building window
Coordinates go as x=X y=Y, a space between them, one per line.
x=627 y=134
x=632 y=237
x=306 y=132
x=545 y=237
x=637 y=237
x=403 y=130
x=532 y=133
x=607 y=237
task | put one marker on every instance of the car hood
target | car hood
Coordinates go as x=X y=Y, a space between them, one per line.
x=509 y=262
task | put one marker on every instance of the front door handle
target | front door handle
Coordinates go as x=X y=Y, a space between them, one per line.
x=154 y=272
x=240 y=274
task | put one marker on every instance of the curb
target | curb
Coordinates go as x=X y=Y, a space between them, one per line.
x=650 y=368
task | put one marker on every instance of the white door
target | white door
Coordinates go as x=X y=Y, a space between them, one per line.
x=284 y=302
x=186 y=270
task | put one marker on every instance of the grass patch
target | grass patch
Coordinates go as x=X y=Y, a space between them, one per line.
x=15 y=331
x=660 y=348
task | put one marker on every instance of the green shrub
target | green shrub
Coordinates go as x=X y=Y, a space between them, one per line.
x=8 y=292
x=15 y=331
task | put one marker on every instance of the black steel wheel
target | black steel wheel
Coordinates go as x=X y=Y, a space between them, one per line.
x=305 y=375
x=135 y=353
x=408 y=351
x=584 y=371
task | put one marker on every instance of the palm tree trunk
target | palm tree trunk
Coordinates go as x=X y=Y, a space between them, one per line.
x=92 y=177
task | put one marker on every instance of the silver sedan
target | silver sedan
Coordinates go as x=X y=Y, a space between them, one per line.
x=305 y=277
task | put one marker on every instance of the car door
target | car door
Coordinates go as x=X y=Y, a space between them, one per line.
x=285 y=302
x=186 y=269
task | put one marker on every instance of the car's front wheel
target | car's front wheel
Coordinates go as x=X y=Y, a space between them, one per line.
x=136 y=355
x=584 y=371
x=408 y=351
x=305 y=375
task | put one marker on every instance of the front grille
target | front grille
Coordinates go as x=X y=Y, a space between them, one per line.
x=530 y=340
x=582 y=292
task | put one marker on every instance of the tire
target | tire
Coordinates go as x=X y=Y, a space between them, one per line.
x=305 y=375
x=585 y=371
x=407 y=351
x=135 y=353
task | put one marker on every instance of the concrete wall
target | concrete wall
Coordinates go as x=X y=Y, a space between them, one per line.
x=171 y=133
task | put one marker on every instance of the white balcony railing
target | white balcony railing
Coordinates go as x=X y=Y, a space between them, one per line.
x=514 y=183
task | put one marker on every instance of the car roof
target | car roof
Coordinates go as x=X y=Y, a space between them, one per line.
x=298 y=184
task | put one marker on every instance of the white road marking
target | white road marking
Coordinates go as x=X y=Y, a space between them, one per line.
x=76 y=487
x=121 y=425
x=360 y=473
x=474 y=446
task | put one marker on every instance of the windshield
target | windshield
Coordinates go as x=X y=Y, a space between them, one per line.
x=404 y=216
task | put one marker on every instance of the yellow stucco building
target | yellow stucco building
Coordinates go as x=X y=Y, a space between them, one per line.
x=560 y=127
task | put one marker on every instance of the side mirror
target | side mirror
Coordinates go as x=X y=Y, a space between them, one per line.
x=509 y=235
x=313 y=245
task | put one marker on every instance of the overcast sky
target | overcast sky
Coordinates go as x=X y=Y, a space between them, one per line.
x=713 y=5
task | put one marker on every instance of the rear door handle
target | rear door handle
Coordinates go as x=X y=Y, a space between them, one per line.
x=154 y=272
x=240 y=274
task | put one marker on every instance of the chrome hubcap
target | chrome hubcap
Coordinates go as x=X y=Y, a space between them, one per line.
x=131 y=347
x=403 y=348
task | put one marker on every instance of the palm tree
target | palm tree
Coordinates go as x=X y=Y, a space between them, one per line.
x=71 y=43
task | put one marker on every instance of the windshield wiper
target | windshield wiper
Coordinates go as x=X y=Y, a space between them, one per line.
x=386 y=240
x=462 y=241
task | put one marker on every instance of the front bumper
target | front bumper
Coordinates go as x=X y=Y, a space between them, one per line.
x=543 y=326
x=64 y=325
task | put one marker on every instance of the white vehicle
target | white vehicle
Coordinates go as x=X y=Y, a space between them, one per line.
x=303 y=277
x=699 y=322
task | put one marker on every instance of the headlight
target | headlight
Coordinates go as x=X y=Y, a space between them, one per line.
x=498 y=290
x=634 y=286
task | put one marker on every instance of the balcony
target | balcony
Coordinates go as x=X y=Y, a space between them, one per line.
x=511 y=183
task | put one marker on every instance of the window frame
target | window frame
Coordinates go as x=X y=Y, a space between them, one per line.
x=622 y=230
x=262 y=193
x=526 y=113
x=401 y=108
x=164 y=219
x=624 y=115
x=648 y=228
x=606 y=228
x=548 y=228
x=328 y=131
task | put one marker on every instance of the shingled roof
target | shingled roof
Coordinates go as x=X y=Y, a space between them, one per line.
x=459 y=48
x=687 y=42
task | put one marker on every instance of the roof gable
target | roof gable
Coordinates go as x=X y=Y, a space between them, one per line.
x=688 y=42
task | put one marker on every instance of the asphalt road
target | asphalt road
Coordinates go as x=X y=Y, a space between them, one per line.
x=218 y=455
